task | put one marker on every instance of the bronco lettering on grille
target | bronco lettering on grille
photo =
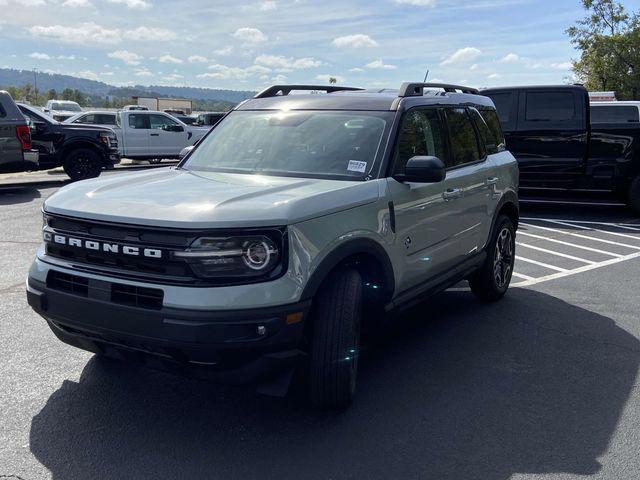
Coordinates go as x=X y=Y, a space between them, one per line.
x=101 y=246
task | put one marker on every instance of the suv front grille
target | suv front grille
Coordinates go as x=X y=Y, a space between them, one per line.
x=140 y=297
x=68 y=283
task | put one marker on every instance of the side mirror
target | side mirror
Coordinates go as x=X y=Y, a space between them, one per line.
x=185 y=151
x=173 y=128
x=423 y=169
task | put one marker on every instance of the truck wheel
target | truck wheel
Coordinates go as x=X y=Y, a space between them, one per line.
x=82 y=163
x=492 y=279
x=335 y=339
x=634 y=195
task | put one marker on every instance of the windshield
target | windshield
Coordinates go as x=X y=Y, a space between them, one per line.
x=68 y=106
x=333 y=144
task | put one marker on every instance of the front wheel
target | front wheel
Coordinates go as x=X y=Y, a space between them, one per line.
x=335 y=340
x=492 y=279
x=82 y=163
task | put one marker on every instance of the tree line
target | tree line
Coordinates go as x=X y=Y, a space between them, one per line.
x=608 y=40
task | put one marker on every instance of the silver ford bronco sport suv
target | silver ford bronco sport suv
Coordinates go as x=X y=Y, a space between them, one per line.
x=287 y=230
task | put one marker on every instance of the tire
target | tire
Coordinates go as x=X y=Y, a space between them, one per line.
x=633 y=199
x=335 y=340
x=492 y=279
x=82 y=163
x=154 y=161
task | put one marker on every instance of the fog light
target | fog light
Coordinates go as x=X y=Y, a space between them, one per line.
x=262 y=330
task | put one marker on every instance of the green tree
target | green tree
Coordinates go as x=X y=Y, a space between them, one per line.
x=52 y=94
x=608 y=39
x=67 y=94
x=333 y=80
x=27 y=92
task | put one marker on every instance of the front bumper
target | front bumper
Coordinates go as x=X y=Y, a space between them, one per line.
x=233 y=346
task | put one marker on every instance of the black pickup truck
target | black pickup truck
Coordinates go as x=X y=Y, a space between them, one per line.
x=548 y=130
x=82 y=150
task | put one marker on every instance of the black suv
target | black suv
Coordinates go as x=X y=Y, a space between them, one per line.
x=82 y=150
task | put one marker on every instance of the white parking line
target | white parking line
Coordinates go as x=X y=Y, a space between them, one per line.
x=586 y=268
x=523 y=277
x=635 y=247
x=582 y=247
x=544 y=250
x=627 y=226
x=545 y=265
x=626 y=235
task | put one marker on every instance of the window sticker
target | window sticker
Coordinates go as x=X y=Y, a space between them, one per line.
x=357 y=166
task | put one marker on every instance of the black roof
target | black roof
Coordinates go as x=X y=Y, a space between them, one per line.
x=533 y=87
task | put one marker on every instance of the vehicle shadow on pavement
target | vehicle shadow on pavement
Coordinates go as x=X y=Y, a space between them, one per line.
x=15 y=195
x=461 y=390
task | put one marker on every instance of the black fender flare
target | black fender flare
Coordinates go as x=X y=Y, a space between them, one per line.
x=340 y=254
x=509 y=197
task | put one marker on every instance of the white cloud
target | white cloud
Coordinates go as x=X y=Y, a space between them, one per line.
x=356 y=69
x=224 y=51
x=133 y=4
x=473 y=67
x=494 y=76
x=83 y=33
x=467 y=54
x=268 y=5
x=143 y=72
x=66 y=57
x=26 y=3
x=418 y=3
x=173 y=78
x=358 y=40
x=88 y=74
x=76 y=3
x=279 y=62
x=379 y=64
x=130 y=58
x=279 y=79
x=106 y=74
x=510 y=58
x=169 y=59
x=561 y=66
x=40 y=56
x=151 y=34
x=236 y=73
x=197 y=59
x=250 y=35
x=326 y=77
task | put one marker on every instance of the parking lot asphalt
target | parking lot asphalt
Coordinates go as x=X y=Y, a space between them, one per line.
x=542 y=385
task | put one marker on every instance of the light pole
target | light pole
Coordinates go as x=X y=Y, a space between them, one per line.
x=35 y=84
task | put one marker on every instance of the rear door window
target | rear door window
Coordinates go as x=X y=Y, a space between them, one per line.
x=105 y=119
x=614 y=114
x=462 y=137
x=550 y=106
x=139 y=122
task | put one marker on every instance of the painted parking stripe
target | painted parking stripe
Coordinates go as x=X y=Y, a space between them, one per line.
x=586 y=268
x=577 y=235
x=522 y=276
x=540 y=264
x=552 y=252
x=568 y=244
x=625 y=235
x=627 y=226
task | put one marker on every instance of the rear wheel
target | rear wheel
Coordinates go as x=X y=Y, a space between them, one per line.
x=492 y=280
x=82 y=163
x=633 y=199
x=335 y=340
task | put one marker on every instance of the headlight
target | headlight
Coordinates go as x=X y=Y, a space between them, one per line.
x=240 y=256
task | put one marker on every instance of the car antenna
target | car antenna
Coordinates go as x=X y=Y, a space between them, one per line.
x=425 y=76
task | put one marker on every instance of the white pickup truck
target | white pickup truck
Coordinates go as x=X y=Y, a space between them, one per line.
x=145 y=135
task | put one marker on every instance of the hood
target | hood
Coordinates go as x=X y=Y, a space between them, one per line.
x=183 y=199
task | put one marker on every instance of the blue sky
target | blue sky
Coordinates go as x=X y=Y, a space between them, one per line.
x=247 y=44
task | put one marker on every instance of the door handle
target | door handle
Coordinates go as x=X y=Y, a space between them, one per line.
x=491 y=180
x=154 y=134
x=451 y=193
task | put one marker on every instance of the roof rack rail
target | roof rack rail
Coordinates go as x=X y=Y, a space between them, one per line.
x=276 y=90
x=410 y=89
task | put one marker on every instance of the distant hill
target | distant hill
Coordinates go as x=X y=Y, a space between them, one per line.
x=47 y=81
